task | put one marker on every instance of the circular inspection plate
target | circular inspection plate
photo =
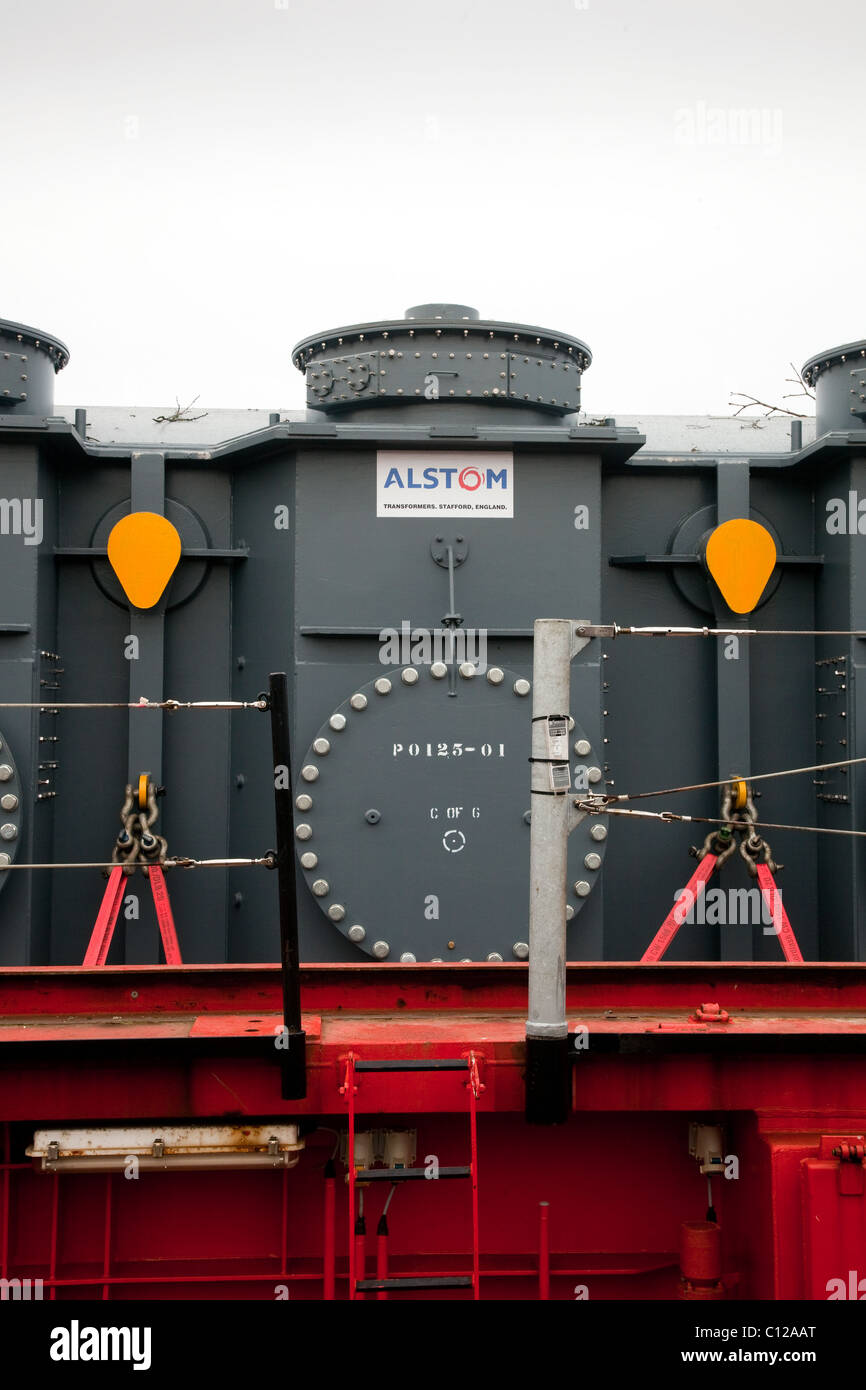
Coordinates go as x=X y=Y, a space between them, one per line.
x=411 y=815
x=10 y=809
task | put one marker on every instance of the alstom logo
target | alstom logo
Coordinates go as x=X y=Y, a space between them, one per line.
x=429 y=483
x=470 y=479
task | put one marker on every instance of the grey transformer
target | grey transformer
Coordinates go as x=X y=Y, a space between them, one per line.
x=391 y=549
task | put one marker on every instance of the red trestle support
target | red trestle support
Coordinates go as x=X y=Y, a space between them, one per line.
x=778 y=916
x=680 y=911
x=164 y=916
x=106 y=920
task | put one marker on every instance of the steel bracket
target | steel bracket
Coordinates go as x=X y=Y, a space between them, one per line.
x=710 y=1013
x=440 y=545
x=580 y=636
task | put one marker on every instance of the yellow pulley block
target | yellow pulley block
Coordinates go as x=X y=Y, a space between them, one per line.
x=142 y=791
x=741 y=793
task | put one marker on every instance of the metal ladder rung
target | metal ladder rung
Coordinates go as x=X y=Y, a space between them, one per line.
x=406 y=1174
x=406 y=1064
x=443 y=1281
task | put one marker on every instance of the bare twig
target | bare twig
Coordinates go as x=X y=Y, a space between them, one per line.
x=797 y=380
x=748 y=402
x=180 y=414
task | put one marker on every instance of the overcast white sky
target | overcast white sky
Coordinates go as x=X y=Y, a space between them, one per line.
x=192 y=185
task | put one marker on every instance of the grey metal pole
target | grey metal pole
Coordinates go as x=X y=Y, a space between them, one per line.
x=547 y=1065
x=294 y=1041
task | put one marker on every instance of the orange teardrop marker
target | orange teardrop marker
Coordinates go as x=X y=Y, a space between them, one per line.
x=143 y=551
x=741 y=556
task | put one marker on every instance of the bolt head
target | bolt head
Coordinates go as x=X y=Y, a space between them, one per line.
x=337 y=721
x=309 y=773
x=381 y=949
x=309 y=860
x=303 y=832
x=593 y=774
x=321 y=887
x=467 y=670
x=8 y=831
x=304 y=802
x=9 y=802
x=409 y=676
x=407 y=958
x=569 y=912
x=582 y=888
x=359 y=701
x=382 y=687
x=520 y=949
x=582 y=747
x=599 y=832
x=522 y=687
x=321 y=746
x=356 y=933
x=336 y=912
x=438 y=670
x=496 y=675
x=592 y=860
x=494 y=956
x=5 y=772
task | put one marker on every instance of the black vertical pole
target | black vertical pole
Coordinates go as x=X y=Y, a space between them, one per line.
x=294 y=1040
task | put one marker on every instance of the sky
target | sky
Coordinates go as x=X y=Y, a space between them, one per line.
x=190 y=186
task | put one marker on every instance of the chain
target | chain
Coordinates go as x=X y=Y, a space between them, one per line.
x=136 y=844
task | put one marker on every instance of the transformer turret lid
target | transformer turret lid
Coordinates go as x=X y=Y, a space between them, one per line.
x=444 y=353
x=17 y=333
x=833 y=357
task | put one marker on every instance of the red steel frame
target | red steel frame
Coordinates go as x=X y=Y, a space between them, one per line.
x=773 y=1053
x=106 y=918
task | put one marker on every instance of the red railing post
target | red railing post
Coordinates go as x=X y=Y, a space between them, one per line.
x=329 y=1249
x=544 y=1250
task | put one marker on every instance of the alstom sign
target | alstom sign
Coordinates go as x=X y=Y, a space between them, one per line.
x=426 y=482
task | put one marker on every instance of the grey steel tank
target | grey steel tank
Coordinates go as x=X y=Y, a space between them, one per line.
x=29 y=362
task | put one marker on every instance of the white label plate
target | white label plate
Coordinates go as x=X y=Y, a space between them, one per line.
x=434 y=483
